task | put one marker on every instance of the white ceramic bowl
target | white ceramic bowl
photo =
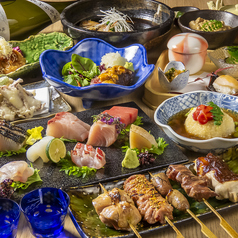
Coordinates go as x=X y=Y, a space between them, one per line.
x=176 y=104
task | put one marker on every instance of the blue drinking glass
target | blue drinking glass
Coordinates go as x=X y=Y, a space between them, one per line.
x=45 y=210
x=9 y=218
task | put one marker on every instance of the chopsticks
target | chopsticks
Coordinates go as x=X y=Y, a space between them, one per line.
x=223 y=222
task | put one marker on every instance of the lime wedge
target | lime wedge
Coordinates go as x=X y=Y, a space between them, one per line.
x=55 y=150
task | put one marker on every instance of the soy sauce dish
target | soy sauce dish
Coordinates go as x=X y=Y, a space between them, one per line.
x=184 y=103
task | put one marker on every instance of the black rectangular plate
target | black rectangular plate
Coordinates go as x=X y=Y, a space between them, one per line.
x=52 y=177
x=81 y=208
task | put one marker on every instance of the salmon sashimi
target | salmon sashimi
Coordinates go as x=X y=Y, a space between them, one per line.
x=102 y=134
x=86 y=155
x=127 y=114
x=67 y=125
x=16 y=170
x=11 y=137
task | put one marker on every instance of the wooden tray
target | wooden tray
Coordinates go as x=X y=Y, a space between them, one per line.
x=154 y=96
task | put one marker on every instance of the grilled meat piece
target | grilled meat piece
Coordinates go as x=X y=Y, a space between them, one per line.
x=194 y=186
x=152 y=206
x=116 y=209
x=11 y=137
x=174 y=197
x=223 y=180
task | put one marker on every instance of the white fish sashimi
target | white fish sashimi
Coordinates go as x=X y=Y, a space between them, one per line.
x=86 y=155
x=16 y=170
x=67 y=125
x=39 y=150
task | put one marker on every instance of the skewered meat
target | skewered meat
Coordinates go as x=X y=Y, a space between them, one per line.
x=174 y=197
x=223 y=180
x=116 y=209
x=194 y=186
x=152 y=206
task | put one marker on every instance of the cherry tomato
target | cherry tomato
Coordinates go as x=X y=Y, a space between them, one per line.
x=203 y=114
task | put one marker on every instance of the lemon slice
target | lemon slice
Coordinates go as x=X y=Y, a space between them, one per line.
x=55 y=150
x=140 y=138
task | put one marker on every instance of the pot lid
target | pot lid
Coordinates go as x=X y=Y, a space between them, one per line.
x=187 y=43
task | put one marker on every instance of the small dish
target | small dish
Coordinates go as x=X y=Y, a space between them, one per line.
x=52 y=62
x=218 y=58
x=179 y=82
x=181 y=102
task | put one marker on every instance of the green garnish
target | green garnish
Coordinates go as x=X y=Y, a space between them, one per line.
x=217 y=113
x=178 y=14
x=68 y=140
x=32 y=179
x=233 y=52
x=70 y=168
x=158 y=150
x=212 y=25
x=9 y=153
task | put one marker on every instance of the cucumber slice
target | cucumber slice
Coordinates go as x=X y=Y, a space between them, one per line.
x=55 y=150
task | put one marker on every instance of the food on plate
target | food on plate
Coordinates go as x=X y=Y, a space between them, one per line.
x=130 y=160
x=86 y=155
x=39 y=150
x=151 y=205
x=11 y=137
x=15 y=101
x=16 y=171
x=174 y=197
x=195 y=187
x=116 y=75
x=201 y=24
x=10 y=58
x=233 y=54
x=172 y=73
x=55 y=150
x=127 y=115
x=6 y=190
x=105 y=130
x=67 y=125
x=140 y=138
x=226 y=84
x=222 y=179
x=204 y=122
x=116 y=209
x=114 y=68
x=112 y=21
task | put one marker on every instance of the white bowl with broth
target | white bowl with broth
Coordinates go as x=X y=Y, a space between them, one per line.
x=174 y=105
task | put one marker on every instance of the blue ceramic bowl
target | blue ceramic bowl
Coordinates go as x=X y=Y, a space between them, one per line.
x=176 y=104
x=52 y=62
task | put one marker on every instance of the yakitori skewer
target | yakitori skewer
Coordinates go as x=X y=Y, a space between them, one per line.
x=223 y=180
x=194 y=187
x=131 y=226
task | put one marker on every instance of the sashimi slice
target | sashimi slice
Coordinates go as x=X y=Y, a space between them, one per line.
x=127 y=114
x=16 y=170
x=102 y=134
x=86 y=155
x=67 y=125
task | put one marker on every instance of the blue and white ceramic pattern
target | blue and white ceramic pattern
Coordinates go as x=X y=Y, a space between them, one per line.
x=187 y=100
x=52 y=62
x=179 y=82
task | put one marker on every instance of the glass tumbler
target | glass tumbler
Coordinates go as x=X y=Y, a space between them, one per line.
x=9 y=218
x=45 y=210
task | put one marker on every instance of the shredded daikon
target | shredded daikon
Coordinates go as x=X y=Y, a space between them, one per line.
x=116 y=21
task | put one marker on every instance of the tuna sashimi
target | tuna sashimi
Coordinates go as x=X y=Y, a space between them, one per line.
x=127 y=114
x=102 y=134
x=16 y=170
x=67 y=125
x=86 y=155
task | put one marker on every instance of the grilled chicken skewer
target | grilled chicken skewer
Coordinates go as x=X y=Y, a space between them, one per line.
x=223 y=180
x=116 y=209
x=195 y=187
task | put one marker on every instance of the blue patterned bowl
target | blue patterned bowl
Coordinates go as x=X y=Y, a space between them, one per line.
x=52 y=62
x=187 y=100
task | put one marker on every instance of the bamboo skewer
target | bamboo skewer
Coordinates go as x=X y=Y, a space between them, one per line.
x=204 y=228
x=179 y=235
x=131 y=226
x=223 y=222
